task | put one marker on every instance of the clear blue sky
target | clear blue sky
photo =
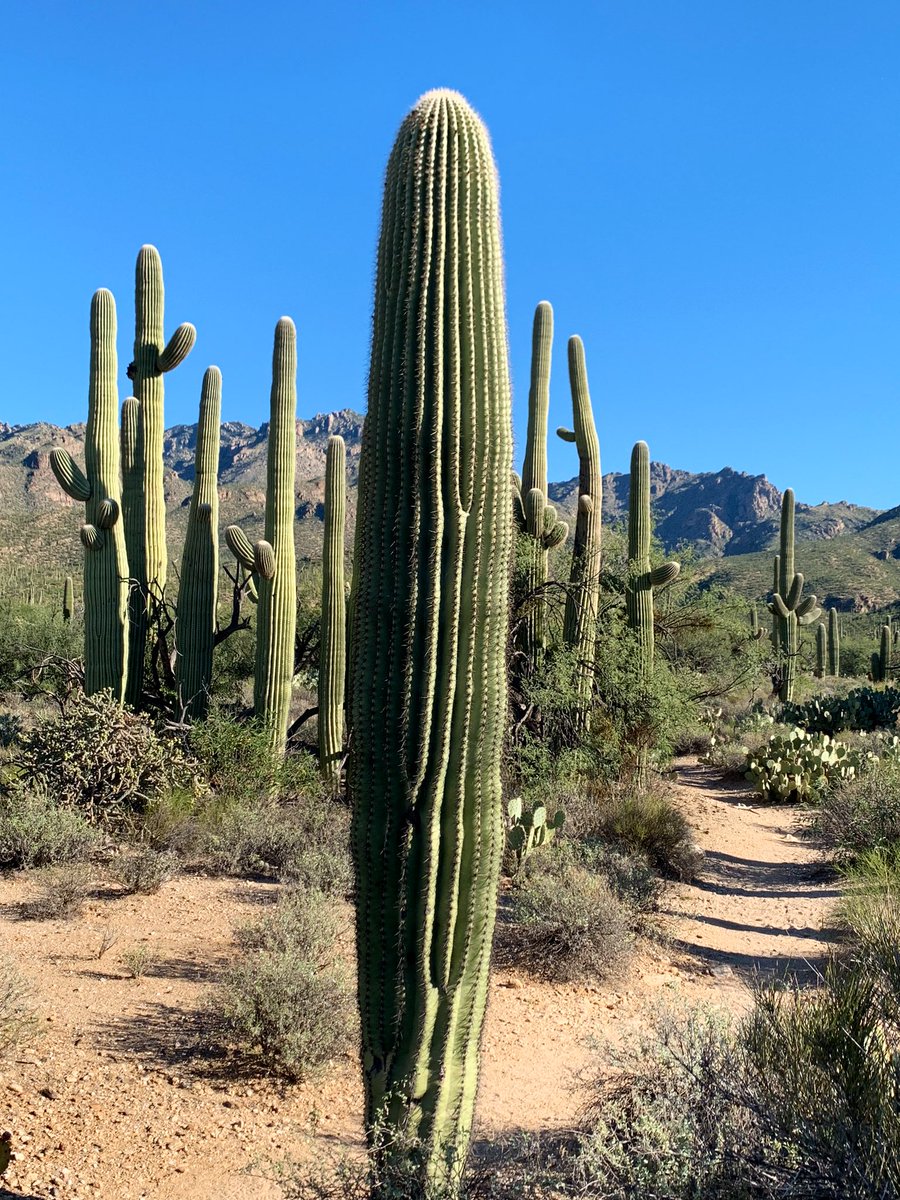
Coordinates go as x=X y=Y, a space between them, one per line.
x=707 y=191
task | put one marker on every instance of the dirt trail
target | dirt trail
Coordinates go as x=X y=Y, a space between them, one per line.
x=117 y=1098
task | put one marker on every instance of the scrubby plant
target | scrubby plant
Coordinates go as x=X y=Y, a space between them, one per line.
x=796 y=765
x=60 y=891
x=36 y=832
x=647 y=822
x=17 y=1018
x=100 y=759
x=143 y=870
x=287 y=997
x=863 y=812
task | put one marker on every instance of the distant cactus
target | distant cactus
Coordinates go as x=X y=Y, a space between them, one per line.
x=428 y=694
x=143 y=425
x=881 y=658
x=834 y=643
x=195 y=628
x=821 y=650
x=641 y=578
x=272 y=559
x=68 y=602
x=755 y=631
x=98 y=487
x=583 y=597
x=333 y=651
x=530 y=829
x=790 y=610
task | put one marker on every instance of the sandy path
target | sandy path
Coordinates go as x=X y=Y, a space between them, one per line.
x=117 y=1098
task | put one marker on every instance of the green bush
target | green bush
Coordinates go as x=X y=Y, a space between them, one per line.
x=143 y=870
x=17 y=1020
x=797 y=765
x=236 y=761
x=35 y=832
x=100 y=759
x=61 y=892
x=32 y=635
x=645 y=822
x=287 y=998
x=863 y=812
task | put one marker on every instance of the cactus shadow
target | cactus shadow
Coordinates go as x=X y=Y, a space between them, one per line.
x=170 y=1037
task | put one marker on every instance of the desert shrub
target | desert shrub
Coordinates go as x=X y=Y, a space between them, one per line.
x=100 y=759
x=31 y=634
x=565 y=926
x=629 y=874
x=646 y=822
x=60 y=892
x=863 y=812
x=864 y=708
x=236 y=760
x=17 y=1021
x=287 y=997
x=143 y=870
x=35 y=832
x=796 y=765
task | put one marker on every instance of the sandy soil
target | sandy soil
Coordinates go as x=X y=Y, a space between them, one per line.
x=118 y=1097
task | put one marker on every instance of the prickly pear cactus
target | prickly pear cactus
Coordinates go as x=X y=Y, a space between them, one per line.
x=529 y=829
x=98 y=487
x=195 y=628
x=428 y=698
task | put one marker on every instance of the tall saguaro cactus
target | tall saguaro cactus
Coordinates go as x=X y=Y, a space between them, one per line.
x=273 y=557
x=881 y=658
x=534 y=515
x=195 y=629
x=583 y=598
x=428 y=690
x=333 y=650
x=105 y=562
x=143 y=426
x=788 y=607
x=68 y=603
x=821 y=650
x=641 y=578
x=834 y=643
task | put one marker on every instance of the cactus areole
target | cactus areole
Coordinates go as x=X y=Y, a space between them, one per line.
x=428 y=686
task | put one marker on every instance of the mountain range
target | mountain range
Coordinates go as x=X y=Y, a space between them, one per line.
x=729 y=519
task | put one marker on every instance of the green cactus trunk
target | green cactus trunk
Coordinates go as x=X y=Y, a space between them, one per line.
x=534 y=478
x=821 y=650
x=583 y=596
x=428 y=699
x=68 y=601
x=102 y=535
x=273 y=559
x=790 y=611
x=641 y=579
x=834 y=643
x=333 y=649
x=143 y=427
x=195 y=628
x=881 y=658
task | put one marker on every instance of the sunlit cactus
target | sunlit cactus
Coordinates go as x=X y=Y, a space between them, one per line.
x=333 y=646
x=642 y=579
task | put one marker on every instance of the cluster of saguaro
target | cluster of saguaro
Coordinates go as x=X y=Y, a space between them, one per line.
x=272 y=558
x=143 y=426
x=642 y=579
x=428 y=674
x=333 y=644
x=583 y=596
x=790 y=611
x=198 y=585
x=881 y=658
x=535 y=517
x=99 y=488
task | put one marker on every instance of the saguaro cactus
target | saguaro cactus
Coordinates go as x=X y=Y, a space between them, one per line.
x=881 y=658
x=273 y=558
x=68 y=601
x=534 y=515
x=834 y=643
x=790 y=610
x=583 y=598
x=755 y=631
x=821 y=650
x=143 y=426
x=641 y=578
x=333 y=649
x=428 y=686
x=105 y=562
x=195 y=629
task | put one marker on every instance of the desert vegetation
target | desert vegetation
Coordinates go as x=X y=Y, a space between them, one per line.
x=448 y=751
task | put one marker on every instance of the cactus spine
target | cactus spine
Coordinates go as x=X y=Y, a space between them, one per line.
x=273 y=557
x=333 y=650
x=583 y=597
x=821 y=650
x=197 y=589
x=428 y=695
x=881 y=658
x=641 y=578
x=790 y=611
x=143 y=453
x=834 y=643
x=102 y=535
x=68 y=602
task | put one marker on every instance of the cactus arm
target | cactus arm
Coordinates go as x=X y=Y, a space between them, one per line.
x=795 y=591
x=178 y=347
x=665 y=574
x=69 y=475
x=534 y=469
x=240 y=546
x=567 y=435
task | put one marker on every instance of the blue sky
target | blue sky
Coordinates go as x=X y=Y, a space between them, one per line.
x=707 y=191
